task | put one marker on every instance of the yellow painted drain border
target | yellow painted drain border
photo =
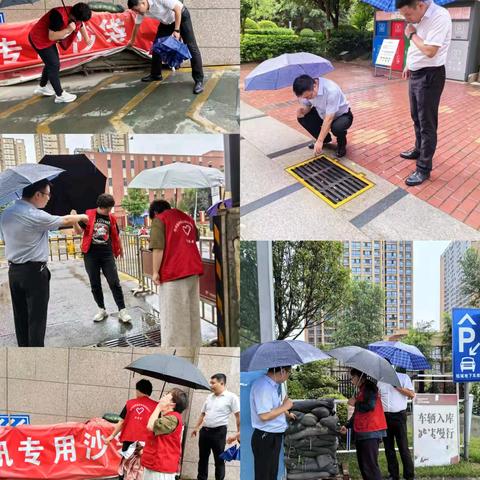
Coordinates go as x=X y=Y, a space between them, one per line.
x=359 y=176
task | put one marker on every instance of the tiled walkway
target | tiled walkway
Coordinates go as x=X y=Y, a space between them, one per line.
x=382 y=128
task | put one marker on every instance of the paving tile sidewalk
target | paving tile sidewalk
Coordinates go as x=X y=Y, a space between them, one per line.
x=382 y=128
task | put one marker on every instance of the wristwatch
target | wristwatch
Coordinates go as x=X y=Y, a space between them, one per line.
x=177 y=30
x=411 y=35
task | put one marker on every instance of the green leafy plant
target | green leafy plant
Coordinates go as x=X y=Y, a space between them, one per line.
x=307 y=32
x=267 y=24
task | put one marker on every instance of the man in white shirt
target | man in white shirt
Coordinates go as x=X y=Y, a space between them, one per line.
x=324 y=108
x=394 y=401
x=214 y=422
x=174 y=20
x=430 y=31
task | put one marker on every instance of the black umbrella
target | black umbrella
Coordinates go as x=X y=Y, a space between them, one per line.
x=78 y=187
x=171 y=369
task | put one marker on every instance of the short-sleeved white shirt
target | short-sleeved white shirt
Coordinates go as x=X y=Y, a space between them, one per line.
x=329 y=100
x=392 y=400
x=218 y=408
x=161 y=10
x=435 y=28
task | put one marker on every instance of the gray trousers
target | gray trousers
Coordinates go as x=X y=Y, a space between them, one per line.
x=425 y=89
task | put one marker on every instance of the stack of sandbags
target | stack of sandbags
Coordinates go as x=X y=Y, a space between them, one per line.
x=311 y=441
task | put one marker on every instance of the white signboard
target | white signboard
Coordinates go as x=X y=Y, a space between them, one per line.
x=435 y=430
x=387 y=52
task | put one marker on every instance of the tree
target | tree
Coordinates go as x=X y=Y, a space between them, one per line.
x=310 y=284
x=361 y=15
x=471 y=276
x=187 y=203
x=136 y=202
x=332 y=9
x=447 y=340
x=421 y=336
x=361 y=321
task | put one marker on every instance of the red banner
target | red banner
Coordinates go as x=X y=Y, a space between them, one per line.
x=109 y=32
x=68 y=451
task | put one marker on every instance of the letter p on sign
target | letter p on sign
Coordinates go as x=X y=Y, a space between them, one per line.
x=467 y=335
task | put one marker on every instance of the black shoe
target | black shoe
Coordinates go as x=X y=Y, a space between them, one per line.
x=328 y=139
x=412 y=154
x=341 y=152
x=198 y=88
x=417 y=178
x=152 y=78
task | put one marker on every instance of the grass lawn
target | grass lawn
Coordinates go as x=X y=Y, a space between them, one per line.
x=470 y=469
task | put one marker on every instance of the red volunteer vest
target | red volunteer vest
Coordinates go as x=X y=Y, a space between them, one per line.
x=162 y=452
x=181 y=257
x=88 y=233
x=370 y=421
x=139 y=411
x=39 y=32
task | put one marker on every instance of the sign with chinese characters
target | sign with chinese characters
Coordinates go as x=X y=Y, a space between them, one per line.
x=435 y=430
x=69 y=451
x=387 y=52
x=14 y=420
x=466 y=344
x=109 y=33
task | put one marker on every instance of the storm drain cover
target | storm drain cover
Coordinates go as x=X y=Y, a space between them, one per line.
x=150 y=339
x=330 y=180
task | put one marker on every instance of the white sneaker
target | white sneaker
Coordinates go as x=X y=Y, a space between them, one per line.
x=65 y=97
x=101 y=315
x=45 y=91
x=123 y=316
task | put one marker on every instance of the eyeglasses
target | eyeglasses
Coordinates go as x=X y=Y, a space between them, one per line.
x=47 y=194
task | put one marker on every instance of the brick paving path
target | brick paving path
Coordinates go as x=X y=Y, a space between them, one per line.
x=382 y=127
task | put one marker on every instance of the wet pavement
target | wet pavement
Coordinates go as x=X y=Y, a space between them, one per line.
x=121 y=102
x=72 y=308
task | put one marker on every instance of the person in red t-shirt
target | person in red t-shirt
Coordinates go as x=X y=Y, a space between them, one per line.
x=177 y=266
x=59 y=25
x=134 y=419
x=163 y=449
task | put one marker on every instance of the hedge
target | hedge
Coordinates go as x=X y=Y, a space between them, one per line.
x=270 y=31
x=267 y=24
x=307 y=32
x=250 y=24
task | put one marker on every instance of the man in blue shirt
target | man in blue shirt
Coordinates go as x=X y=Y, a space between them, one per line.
x=324 y=108
x=25 y=229
x=269 y=416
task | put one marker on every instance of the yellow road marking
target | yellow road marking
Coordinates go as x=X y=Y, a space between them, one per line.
x=20 y=106
x=195 y=108
x=44 y=127
x=116 y=120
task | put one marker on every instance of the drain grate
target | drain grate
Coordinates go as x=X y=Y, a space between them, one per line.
x=330 y=180
x=149 y=339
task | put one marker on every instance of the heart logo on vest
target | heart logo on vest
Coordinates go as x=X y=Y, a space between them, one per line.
x=139 y=410
x=187 y=229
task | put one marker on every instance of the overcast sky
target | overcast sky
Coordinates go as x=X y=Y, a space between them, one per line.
x=194 y=144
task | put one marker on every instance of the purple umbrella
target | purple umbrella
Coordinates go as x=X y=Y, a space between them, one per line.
x=212 y=211
x=279 y=353
x=280 y=72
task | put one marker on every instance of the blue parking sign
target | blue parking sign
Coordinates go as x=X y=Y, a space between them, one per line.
x=2 y=17
x=466 y=344
x=14 y=420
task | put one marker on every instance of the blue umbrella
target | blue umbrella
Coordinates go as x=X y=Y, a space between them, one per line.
x=212 y=211
x=279 y=353
x=15 y=179
x=280 y=72
x=171 y=51
x=401 y=355
x=389 y=5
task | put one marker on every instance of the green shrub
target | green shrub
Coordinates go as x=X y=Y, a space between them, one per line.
x=348 y=38
x=250 y=24
x=307 y=32
x=256 y=48
x=270 y=31
x=267 y=24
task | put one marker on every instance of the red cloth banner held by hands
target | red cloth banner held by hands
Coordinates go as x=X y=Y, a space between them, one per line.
x=109 y=34
x=68 y=451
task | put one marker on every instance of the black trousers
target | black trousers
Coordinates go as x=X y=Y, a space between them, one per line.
x=51 y=70
x=397 y=431
x=266 y=449
x=313 y=124
x=30 y=291
x=425 y=89
x=211 y=440
x=188 y=37
x=96 y=263
x=367 y=457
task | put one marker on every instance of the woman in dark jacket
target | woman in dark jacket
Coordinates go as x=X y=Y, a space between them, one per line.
x=369 y=424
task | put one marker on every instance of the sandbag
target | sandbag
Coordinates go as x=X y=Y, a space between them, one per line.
x=309 y=420
x=294 y=428
x=320 y=441
x=307 y=406
x=332 y=423
x=308 y=475
x=309 y=432
x=321 y=412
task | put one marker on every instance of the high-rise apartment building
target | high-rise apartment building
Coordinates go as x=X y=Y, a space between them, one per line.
x=386 y=263
x=12 y=152
x=50 y=145
x=110 y=142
